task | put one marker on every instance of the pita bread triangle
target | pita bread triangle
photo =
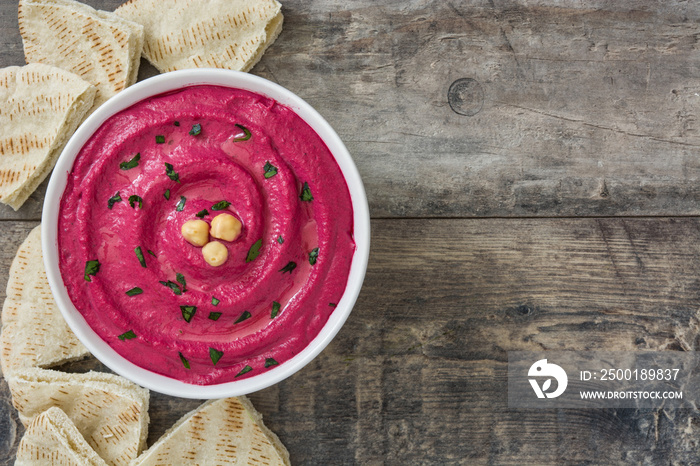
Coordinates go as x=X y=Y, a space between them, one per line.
x=226 y=431
x=33 y=330
x=40 y=108
x=231 y=34
x=110 y=412
x=98 y=46
x=53 y=439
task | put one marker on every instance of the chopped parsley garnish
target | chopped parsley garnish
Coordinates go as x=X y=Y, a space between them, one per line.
x=275 y=309
x=332 y=304
x=215 y=301
x=127 y=335
x=185 y=362
x=215 y=355
x=245 y=370
x=176 y=123
x=246 y=134
x=91 y=268
x=196 y=129
x=245 y=316
x=221 y=205
x=173 y=286
x=160 y=139
x=254 y=251
x=113 y=200
x=313 y=256
x=188 y=312
x=270 y=170
x=139 y=256
x=134 y=162
x=202 y=213
x=181 y=280
x=166 y=194
x=214 y=315
x=181 y=205
x=306 y=193
x=270 y=362
x=133 y=199
x=172 y=174
x=289 y=267
x=151 y=253
x=280 y=239
x=134 y=291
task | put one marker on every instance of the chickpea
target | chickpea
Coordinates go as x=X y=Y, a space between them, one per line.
x=196 y=232
x=225 y=227
x=215 y=253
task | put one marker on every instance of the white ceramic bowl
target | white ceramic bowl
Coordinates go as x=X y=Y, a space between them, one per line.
x=158 y=85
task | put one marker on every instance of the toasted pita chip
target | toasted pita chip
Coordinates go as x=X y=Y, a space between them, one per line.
x=53 y=439
x=231 y=34
x=33 y=330
x=40 y=108
x=108 y=410
x=98 y=46
x=227 y=431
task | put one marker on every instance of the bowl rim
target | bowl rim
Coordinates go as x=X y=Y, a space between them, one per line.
x=158 y=85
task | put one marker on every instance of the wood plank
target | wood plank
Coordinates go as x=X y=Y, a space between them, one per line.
x=418 y=373
x=582 y=109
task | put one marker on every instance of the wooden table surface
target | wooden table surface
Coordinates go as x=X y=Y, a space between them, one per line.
x=532 y=171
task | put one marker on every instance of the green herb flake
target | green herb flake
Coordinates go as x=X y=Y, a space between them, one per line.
x=332 y=304
x=275 y=309
x=113 y=200
x=245 y=370
x=270 y=362
x=215 y=355
x=130 y=335
x=151 y=253
x=172 y=174
x=215 y=301
x=181 y=205
x=91 y=268
x=139 y=256
x=246 y=134
x=289 y=267
x=221 y=205
x=134 y=291
x=133 y=199
x=160 y=139
x=313 y=256
x=173 y=286
x=166 y=194
x=270 y=170
x=245 y=316
x=176 y=123
x=181 y=280
x=280 y=239
x=254 y=251
x=306 y=193
x=134 y=162
x=202 y=213
x=196 y=130
x=188 y=312
x=214 y=315
x=185 y=362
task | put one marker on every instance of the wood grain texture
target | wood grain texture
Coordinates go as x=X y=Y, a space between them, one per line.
x=418 y=373
x=587 y=110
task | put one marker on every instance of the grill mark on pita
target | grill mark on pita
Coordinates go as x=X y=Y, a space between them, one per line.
x=21 y=144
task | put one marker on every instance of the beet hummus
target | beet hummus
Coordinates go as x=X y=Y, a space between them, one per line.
x=190 y=155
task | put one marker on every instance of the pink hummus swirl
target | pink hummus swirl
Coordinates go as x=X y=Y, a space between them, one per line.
x=268 y=313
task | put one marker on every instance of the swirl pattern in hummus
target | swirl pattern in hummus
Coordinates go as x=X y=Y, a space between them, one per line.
x=267 y=309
